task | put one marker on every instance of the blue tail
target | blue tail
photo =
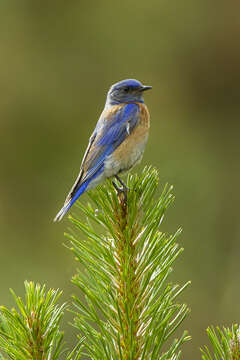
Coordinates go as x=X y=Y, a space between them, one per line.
x=74 y=195
x=69 y=203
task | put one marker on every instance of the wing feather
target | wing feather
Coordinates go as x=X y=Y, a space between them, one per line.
x=108 y=135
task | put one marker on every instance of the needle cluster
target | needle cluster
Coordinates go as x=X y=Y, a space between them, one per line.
x=130 y=310
x=225 y=343
x=32 y=330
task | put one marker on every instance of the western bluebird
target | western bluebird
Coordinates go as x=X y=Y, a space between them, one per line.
x=118 y=141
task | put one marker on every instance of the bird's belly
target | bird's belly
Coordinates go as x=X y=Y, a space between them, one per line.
x=128 y=154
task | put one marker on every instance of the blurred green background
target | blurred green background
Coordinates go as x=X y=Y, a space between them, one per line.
x=57 y=61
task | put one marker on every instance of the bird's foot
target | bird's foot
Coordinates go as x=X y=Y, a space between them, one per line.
x=121 y=191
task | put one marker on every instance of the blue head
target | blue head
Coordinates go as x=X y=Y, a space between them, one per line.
x=124 y=91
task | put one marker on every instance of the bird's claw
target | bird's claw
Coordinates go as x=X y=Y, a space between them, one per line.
x=121 y=190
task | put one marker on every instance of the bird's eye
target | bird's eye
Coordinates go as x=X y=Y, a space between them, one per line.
x=126 y=89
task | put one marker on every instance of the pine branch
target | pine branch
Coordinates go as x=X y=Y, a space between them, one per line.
x=225 y=343
x=32 y=332
x=130 y=308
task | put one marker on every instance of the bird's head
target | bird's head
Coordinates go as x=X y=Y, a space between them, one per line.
x=124 y=91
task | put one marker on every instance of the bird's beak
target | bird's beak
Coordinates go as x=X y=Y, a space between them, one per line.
x=144 y=88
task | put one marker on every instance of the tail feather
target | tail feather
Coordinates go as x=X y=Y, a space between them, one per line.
x=77 y=190
x=69 y=202
x=62 y=212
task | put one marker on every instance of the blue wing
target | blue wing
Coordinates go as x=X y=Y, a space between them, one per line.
x=114 y=131
x=111 y=130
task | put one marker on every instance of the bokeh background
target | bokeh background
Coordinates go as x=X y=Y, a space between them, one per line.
x=57 y=61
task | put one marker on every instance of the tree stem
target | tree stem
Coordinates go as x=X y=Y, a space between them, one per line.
x=128 y=286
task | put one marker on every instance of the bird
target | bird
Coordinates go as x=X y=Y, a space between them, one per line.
x=117 y=142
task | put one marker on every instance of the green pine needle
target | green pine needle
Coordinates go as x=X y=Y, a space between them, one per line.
x=225 y=343
x=32 y=331
x=130 y=308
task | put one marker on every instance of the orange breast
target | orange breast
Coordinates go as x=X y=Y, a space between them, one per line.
x=132 y=147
